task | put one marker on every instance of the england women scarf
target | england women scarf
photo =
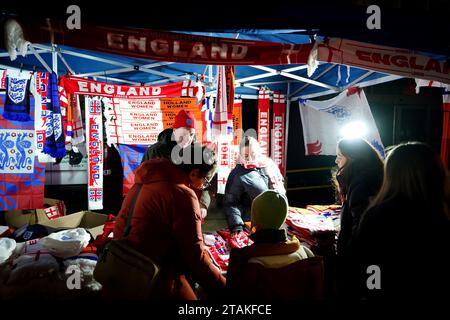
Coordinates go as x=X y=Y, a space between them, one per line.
x=54 y=139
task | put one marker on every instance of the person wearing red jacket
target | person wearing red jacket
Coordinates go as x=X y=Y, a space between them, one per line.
x=166 y=224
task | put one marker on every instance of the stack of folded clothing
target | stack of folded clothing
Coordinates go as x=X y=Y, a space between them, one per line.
x=312 y=228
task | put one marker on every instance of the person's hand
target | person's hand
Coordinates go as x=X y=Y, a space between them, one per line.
x=204 y=213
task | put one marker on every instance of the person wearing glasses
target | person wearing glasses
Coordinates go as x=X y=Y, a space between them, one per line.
x=166 y=224
x=182 y=134
x=254 y=174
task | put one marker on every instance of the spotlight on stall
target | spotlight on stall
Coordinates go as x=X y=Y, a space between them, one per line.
x=354 y=129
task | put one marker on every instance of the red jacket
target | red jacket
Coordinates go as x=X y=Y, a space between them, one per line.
x=166 y=226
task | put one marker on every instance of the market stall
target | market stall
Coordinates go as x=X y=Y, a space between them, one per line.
x=62 y=99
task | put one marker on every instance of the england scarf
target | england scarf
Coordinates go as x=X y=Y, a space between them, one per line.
x=220 y=117
x=323 y=122
x=54 y=139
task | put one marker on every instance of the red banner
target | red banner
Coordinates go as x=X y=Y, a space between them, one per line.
x=167 y=46
x=229 y=76
x=264 y=121
x=76 y=85
x=278 y=130
x=391 y=60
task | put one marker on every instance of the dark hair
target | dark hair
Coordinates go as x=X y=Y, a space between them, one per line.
x=362 y=158
x=196 y=156
x=414 y=171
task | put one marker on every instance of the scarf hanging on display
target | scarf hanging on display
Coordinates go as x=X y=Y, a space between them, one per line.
x=39 y=89
x=278 y=129
x=64 y=102
x=78 y=128
x=17 y=103
x=94 y=143
x=54 y=139
x=264 y=121
x=220 y=117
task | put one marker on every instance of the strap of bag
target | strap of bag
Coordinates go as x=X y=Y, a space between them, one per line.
x=130 y=212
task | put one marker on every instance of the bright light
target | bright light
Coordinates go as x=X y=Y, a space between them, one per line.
x=355 y=129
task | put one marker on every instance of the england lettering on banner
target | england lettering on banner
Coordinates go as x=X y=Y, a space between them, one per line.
x=228 y=155
x=137 y=121
x=264 y=121
x=95 y=152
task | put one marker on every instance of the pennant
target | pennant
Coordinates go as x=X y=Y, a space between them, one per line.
x=264 y=121
x=278 y=130
x=322 y=122
x=94 y=143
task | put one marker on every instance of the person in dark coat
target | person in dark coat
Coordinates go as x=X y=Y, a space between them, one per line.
x=405 y=233
x=182 y=134
x=358 y=178
x=166 y=224
x=253 y=175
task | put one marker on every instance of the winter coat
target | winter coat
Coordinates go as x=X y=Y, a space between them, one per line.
x=410 y=246
x=163 y=149
x=244 y=185
x=166 y=226
x=360 y=191
x=274 y=268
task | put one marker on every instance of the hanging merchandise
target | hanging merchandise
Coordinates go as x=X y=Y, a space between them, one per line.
x=264 y=121
x=278 y=130
x=17 y=103
x=39 y=89
x=229 y=76
x=445 y=144
x=21 y=175
x=131 y=157
x=325 y=122
x=188 y=88
x=237 y=121
x=54 y=139
x=77 y=128
x=220 y=117
x=137 y=121
x=207 y=116
x=66 y=111
x=227 y=157
x=94 y=143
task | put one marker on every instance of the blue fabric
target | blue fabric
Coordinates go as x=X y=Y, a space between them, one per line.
x=17 y=102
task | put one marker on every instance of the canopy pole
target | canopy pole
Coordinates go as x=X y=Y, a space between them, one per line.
x=42 y=61
x=286 y=138
x=54 y=59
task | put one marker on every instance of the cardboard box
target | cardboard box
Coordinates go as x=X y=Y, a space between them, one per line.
x=53 y=209
x=91 y=221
